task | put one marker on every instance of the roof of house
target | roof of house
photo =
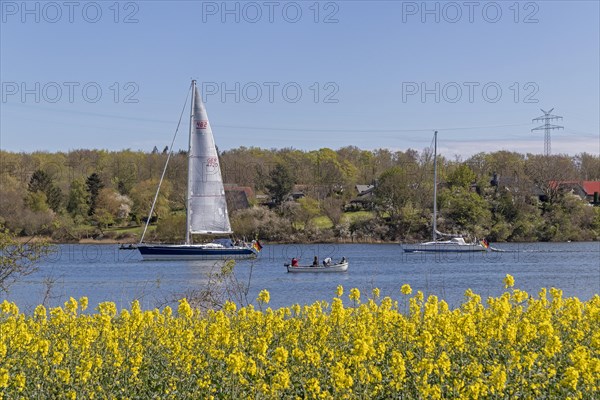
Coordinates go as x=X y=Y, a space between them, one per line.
x=364 y=189
x=590 y=187
x=232 y=187
x=513 y=182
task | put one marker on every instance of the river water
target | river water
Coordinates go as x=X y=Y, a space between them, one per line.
x=105 y=273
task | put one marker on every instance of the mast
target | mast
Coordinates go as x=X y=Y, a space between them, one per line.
x=188 y=213
x=434 y=224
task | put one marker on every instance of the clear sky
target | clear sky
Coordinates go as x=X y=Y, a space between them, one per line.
x=304 y=74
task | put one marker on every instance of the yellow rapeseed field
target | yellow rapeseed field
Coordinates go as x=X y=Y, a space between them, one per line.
x=512 y=346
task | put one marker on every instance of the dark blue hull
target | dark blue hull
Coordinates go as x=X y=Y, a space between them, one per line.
x=194 y=252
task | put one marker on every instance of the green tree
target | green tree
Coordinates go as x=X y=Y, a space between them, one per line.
x=280 y=184
x=79 y=200
x=171 y=228
x=39 y=181
x=94 y=185
x=393 y=190
x=21 y=211
x=37 y=201
x=362 y=160
x=112 y=207
x=568 y=219
x=462 y=176
x=466 y=211
x=329 y=173
x=309 y=209
x=42 y=182
x=411 y=223
x=142 y=195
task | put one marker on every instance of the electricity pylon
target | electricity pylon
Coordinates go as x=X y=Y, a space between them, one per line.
x=547 y=127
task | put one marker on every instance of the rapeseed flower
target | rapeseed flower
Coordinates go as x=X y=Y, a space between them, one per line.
x=354 y=295
x=512 y=345
x=509 y=281
x=264 y=297
x=406 y=289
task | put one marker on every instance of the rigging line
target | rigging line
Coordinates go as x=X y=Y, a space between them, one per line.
x=366 y=129
x=165 y=168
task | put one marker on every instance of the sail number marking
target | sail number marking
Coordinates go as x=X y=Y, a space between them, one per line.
x=212 y=162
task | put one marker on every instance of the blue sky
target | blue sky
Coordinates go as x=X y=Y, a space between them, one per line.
x=304 y=74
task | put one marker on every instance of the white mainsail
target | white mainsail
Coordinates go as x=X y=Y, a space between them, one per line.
x=207 y=207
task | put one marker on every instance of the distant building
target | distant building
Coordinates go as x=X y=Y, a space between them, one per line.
x=364 y=190
x=238 y=197
x=592 y=191
x=517 y=186
x=364 y=200
x=586 y=190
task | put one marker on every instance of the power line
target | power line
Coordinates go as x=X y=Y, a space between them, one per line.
x=366 y=130
x=283 y=129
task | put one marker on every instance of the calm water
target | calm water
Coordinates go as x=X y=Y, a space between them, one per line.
x=104 y=273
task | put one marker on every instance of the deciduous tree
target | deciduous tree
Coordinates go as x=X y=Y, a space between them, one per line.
x=281 y=183
x=79 y=200
x=143 y=194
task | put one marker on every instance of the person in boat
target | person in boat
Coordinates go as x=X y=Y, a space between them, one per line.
x=294 y=262
x=343 y=260
x=315 y=262
x=327 y=261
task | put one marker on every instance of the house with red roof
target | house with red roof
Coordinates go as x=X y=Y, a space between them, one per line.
x=588 y=190
x=592 y=191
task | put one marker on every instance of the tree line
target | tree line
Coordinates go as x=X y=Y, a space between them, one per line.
x=503 y=196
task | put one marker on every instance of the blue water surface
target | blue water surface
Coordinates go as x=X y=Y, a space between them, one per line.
x=105 y=273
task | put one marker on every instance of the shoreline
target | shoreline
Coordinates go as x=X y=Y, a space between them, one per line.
x=35 y=239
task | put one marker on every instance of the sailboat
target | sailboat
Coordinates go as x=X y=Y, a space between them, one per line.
x=452 y=243
x=206 y=209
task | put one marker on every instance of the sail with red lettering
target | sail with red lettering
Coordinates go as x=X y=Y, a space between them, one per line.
x=207 y=206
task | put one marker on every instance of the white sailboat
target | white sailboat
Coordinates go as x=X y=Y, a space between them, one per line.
x=206 y=204
x=453 y=243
